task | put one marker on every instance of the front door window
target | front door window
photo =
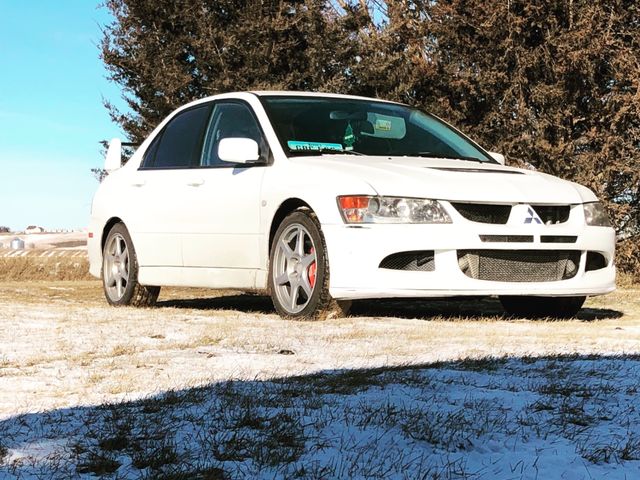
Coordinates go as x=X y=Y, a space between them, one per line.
x=229 y=120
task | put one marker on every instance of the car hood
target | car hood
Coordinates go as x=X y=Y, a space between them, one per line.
x=454 y=180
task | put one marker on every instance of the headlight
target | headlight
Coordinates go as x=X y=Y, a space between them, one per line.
x=595 y=215
x=369 y=209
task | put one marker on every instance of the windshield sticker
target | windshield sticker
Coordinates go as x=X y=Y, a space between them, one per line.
x=349 y=138
x=384 y=125
x=296 y=145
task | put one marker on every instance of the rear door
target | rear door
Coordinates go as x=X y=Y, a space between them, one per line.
x=160 y=188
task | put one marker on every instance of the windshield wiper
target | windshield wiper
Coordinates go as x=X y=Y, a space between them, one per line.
x=451 y=157
x=322 y=151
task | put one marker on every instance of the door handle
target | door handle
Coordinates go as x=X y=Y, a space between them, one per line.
x=196 y=182
x=138 y=183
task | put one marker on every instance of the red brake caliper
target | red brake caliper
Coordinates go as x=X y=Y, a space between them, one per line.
x=312 y=271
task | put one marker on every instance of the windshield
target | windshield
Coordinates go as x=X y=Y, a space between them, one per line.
x=318 y=125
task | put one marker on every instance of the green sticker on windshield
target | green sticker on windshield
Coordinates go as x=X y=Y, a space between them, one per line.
x=349 y=138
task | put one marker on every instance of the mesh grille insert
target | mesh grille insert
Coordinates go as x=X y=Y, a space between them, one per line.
x=519 y=265
x=483 y=212
x=418 y=261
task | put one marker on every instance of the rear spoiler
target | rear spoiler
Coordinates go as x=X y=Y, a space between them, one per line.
x=113 y=159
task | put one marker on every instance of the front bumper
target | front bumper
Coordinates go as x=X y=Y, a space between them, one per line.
x=355 y=253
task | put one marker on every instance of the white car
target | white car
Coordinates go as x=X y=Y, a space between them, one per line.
x=320 y=199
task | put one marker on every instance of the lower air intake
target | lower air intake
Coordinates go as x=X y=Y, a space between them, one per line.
x=417 y=261
x=519 y=265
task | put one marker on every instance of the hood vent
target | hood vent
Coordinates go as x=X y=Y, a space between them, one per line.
x=476 y=170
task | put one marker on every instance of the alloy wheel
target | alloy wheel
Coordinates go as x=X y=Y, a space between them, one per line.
x=295 y=266
x=116 y=267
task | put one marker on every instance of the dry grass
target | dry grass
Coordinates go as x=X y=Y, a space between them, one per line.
x=628 y=280
x=61 y=346
x=44 y=268
x=198 y=336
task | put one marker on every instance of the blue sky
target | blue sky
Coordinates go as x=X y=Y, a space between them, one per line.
x=51 y=115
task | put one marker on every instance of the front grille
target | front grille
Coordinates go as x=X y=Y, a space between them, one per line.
x=552 y=214
x=519 y=265
x=418 y=261
x=483 y=212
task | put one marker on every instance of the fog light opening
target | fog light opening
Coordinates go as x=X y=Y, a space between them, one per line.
x=595 y=261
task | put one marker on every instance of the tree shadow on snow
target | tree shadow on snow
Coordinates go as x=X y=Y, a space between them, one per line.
x=389 y=422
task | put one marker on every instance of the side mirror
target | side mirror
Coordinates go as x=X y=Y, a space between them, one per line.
x=238 y=150
x=498 y=157
x=113 y=159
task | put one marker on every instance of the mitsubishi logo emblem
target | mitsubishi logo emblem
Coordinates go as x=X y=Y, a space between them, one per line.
x=532 y=217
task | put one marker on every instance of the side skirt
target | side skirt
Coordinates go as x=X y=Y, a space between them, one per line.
x=219 y=278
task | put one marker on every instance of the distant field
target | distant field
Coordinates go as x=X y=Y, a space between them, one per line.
x=55 y=256
x=47 y=241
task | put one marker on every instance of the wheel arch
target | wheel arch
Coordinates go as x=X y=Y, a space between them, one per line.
x=285 y=208
x=107 y=228
x=322 y=305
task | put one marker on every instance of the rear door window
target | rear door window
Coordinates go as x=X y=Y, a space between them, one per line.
x=179 y=144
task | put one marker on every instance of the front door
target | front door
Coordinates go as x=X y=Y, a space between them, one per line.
x=224 y=198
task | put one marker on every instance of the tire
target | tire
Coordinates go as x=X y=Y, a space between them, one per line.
x=120 y=272
x=541 y=307
x=299 y=270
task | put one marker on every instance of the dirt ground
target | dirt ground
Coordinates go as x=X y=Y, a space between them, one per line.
x=61 y=345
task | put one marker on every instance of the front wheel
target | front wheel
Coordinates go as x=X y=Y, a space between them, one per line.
x=299 y=270
x=541 y=307
x=120 y=272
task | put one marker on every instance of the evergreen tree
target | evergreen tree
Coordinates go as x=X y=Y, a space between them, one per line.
x=551 y=83
x=165 y=53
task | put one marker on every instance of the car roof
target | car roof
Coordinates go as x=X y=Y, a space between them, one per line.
x=271 y=93
x=284 y=93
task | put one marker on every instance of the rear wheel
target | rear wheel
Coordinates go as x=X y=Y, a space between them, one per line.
x=120 y=272
x=299 y=270
x=540 y=307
